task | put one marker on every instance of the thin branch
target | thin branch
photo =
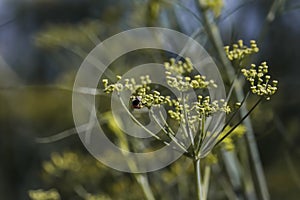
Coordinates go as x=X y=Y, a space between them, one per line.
x=62 y=135
x=174 y=139
x=187 y=128
x=241 y=121
x=81 y=90
x=7 y=22
x=235 y=112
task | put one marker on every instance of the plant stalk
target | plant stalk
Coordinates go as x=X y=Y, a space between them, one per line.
x=144 y=183
x=198 y=179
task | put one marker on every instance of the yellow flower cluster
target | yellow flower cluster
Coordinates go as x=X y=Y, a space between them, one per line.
x=179 y=67
x=259 y=80
x=176 y=115
x=96 y=197
x=51 y=194
x=214 y=5
x=228 y=142
x=143 y=96
x=129 y=84
x=175 y=79
x=186 y=83
x=205 y=107
x=150 y=99
x=211 y=159
x=239 y=50
x=58 y=163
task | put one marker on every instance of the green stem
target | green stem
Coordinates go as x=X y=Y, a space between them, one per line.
x=198 y=178
x=187 y=128
x=141 y=179
x=202 y=136
x=144 y=183
x=206 y=181
x=224 y=182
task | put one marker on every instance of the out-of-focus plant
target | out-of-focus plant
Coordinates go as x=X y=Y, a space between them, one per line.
x=79 y=176
x=44 y=195
x=68 y=35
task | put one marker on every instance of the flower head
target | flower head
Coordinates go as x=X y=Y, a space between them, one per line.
x=239 y=51
x=192 y=114
x=260 y=81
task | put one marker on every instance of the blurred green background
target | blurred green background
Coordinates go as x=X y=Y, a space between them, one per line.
x=42 y=44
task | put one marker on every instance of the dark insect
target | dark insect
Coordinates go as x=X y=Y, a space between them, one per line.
x=137 y=103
